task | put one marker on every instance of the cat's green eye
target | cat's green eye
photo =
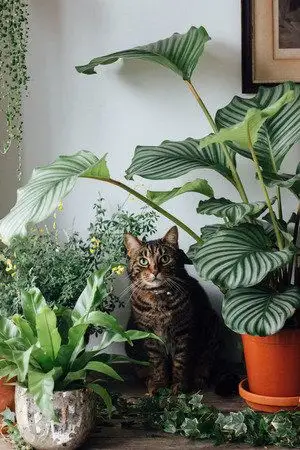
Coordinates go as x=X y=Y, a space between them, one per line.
x=144 y=262
x=165 y=259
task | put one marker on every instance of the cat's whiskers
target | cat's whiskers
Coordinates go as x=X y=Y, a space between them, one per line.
x=173 y=284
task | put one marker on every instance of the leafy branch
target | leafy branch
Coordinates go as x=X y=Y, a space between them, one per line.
x=188 y=415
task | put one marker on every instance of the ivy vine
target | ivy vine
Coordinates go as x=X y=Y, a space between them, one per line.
x=13 y=68
x=189 y=416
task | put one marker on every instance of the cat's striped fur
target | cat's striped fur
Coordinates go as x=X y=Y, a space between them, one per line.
x=170 y=303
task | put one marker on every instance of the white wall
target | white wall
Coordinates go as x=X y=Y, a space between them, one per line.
x=128 y=103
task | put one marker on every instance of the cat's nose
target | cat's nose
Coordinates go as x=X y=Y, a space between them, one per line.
x=154 y=274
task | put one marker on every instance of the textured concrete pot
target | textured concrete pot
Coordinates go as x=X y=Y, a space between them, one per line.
x=76 y=413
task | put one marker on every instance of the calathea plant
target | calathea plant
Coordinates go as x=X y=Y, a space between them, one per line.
x=45 y=349
x=251 y=256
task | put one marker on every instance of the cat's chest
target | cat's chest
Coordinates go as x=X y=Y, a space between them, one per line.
x=160 y=311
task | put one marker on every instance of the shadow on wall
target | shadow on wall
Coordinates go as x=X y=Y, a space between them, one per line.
x=217 y=59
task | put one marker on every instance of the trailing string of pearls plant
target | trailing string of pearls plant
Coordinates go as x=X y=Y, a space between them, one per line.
x=13 y=71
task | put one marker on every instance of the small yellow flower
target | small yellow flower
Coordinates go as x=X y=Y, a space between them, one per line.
x=41 y=230
x=60 y=206
x=95 y=243
x=54 y=226
x=119 y=270
x=10 y=267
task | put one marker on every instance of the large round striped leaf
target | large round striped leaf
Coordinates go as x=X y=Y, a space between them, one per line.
x=288 y=181
x=199 y=186
x=172 y=159
x=234 y=212
x=238 y=257
x=46 y=188
x=277 y=135
x=180 y=53
x=259 y=311
x=248 y=128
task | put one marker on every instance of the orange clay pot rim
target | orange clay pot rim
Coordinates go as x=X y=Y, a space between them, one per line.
x=264 y=399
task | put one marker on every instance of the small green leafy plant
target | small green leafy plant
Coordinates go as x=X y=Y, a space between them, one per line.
x=251 y=255
x=189 y=416
x=60 y=265
x=45 y=348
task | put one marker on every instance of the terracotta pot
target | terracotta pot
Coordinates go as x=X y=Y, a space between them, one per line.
x=7 y=395
x=265 y=403
x=273 y=363
x=7 y=399
x=76 y=413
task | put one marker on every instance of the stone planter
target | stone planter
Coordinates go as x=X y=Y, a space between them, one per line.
x=76 y=413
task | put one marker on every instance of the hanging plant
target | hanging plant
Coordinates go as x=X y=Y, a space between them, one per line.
x=13 y=69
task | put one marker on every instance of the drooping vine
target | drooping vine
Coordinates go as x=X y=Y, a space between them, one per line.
x=13 y=69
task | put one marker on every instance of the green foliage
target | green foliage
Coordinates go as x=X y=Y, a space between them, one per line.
x=248 y=129
x=56 y=357
x=14 y=437
x=189 y=416
x=60 y=267
x=199 y=186
x=13 y=69
x=234 y=254
x=180 y=53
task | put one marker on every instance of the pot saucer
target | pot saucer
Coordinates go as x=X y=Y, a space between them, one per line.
x=265 y=403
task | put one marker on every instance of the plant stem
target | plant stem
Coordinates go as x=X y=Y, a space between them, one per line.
x=235 y=175
x=266 y=194
x=279 y=203
x=153 y=205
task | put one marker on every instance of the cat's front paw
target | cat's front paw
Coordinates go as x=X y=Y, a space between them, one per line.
x=153 y=386
x=178 y=387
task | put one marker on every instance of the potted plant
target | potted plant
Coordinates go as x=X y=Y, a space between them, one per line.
x=45 y=350
x=252 y=255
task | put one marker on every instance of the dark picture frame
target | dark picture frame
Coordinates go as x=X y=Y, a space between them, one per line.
x=248 y=85
x=278 y=67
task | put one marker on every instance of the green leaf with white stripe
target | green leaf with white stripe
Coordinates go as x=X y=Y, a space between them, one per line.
x=288 y=181
x=172 y=159
x=248 y=129
x=199 y=186
x=180 y=53
x=234 y=212
x=277 y=135
x=46 y=188
x=259 y=311
x=238 y=257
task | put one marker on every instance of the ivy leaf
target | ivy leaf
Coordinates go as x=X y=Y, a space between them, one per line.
x=190 y=427
x=169 y=427
x=232 y=423
x=196 y=401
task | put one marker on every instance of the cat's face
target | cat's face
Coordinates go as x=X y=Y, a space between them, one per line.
x=153 y=264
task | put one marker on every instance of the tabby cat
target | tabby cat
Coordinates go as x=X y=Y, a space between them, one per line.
x=172 y=304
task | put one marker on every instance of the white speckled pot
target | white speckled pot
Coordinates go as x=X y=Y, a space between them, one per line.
x=75 y=410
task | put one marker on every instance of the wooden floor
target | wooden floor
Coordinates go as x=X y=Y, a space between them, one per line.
x=114 y=436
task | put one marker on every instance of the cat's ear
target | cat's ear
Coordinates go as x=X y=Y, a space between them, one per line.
x=171 y=237
x=132 y=243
